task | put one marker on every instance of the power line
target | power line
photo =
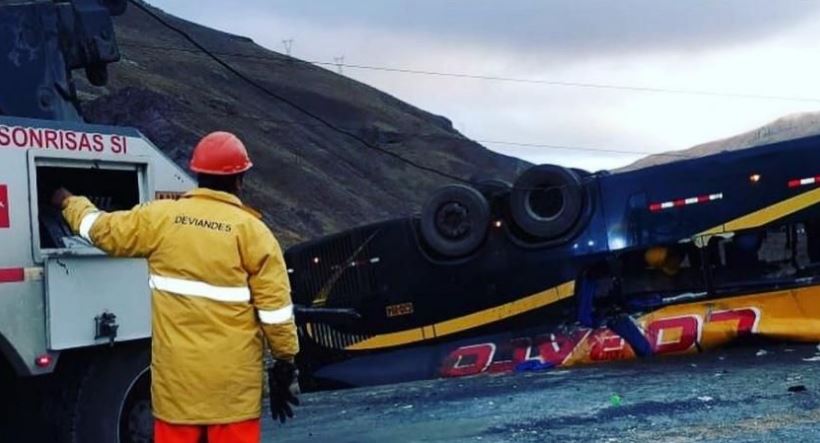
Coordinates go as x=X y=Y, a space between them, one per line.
x=448 y=136
x=295 y=106
x=304 y=111
x=579 y=84
x=558 y=83
x=585 y=148
x=451 y=136
x=497 y=142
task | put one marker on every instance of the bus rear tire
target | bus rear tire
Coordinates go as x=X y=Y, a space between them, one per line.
x=454 y=220
x=546 y=201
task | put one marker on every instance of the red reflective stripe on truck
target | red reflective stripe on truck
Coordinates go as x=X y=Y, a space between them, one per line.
x=12 y=275
x=5 y=219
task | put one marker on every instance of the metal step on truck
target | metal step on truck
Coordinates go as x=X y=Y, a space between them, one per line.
x=74 y=324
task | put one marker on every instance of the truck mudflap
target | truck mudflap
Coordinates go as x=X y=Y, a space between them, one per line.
x=787 y=315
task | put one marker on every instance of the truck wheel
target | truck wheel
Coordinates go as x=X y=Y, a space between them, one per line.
x=454 y=220
x=113 y=401
x=546 y=201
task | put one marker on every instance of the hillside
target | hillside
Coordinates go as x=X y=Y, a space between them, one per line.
x=785 y=128
x=308 y=180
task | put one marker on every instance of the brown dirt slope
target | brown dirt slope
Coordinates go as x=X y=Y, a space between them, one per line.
x=308 y=180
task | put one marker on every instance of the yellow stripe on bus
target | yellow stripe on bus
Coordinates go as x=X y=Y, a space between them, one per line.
x=469 y=321
x=767 y=214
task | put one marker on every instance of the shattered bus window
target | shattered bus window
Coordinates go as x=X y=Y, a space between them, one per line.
x=662 y=275
x=772 y=258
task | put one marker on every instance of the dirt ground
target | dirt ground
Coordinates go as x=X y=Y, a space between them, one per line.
x=763 y=393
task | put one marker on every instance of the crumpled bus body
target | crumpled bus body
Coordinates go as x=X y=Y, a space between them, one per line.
x=676 y=258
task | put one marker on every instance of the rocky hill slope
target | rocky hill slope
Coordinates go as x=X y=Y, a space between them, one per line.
x=309 y=180
x=785 y=128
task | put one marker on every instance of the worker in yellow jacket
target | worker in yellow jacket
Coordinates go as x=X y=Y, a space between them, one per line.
x=217 y=276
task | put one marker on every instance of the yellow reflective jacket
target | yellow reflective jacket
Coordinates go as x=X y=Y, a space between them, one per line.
x=218 y=278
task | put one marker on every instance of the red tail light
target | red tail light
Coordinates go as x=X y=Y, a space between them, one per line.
x=43 y=361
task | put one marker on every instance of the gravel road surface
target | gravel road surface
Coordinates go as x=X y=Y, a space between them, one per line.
x=764 y=393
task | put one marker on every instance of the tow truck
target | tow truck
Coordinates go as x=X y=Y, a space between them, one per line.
x=74 y=324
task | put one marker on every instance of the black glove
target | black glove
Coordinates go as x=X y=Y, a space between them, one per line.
x=283 y=385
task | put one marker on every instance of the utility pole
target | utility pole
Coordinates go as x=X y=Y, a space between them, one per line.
x=288 y=45
x=339 y=61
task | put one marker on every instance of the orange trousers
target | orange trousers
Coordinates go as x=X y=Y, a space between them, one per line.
x=249 y=431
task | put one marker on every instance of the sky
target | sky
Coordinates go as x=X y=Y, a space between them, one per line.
x=733 y=65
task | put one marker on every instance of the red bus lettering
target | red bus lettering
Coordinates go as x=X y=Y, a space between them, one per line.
x=468 y=360
x=556 y=348
x=662 y=337
x=606 y=345
x=747 y=319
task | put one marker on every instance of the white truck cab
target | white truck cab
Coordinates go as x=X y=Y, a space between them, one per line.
x=59 y=294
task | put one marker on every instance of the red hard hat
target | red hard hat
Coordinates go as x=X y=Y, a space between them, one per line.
x=220 y=153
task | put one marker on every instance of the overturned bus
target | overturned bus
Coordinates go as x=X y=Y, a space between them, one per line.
x=565 y=267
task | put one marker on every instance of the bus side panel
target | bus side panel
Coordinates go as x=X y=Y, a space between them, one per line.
x=722 y=185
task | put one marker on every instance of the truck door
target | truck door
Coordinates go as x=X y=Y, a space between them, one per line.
x=90 y=298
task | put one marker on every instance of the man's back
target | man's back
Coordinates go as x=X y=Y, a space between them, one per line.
x=214 y=268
